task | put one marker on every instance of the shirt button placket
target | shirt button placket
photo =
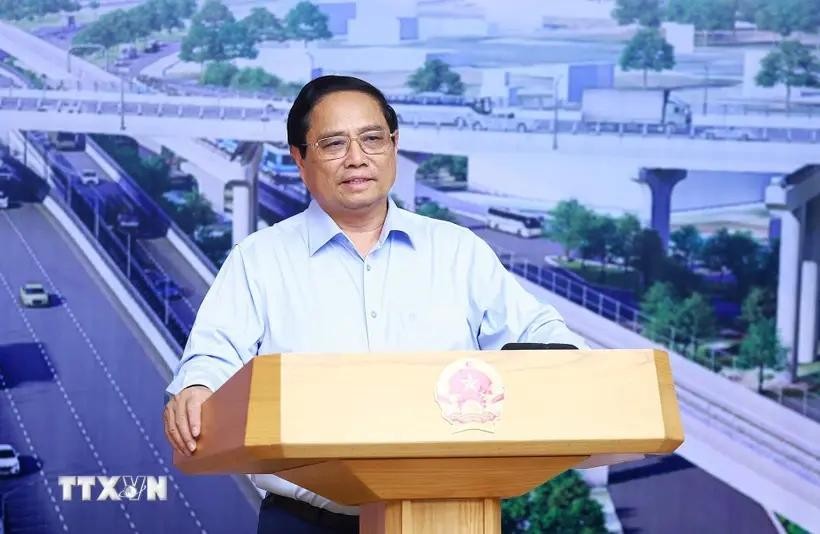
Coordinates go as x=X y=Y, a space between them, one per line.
x=368 y=267
x=369 y=299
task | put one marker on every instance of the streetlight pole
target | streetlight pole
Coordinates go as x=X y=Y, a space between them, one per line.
x=128 y=258
x=97 y=216
x=706 y=90
x=122 y=103
x=165 y=298
x=555 y=102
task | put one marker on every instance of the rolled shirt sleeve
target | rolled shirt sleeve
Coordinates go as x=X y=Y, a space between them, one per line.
x=511 y=313
x=227 y=329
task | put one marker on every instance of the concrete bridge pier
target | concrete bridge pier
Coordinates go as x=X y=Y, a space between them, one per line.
x=661 y=182
x=795 y=199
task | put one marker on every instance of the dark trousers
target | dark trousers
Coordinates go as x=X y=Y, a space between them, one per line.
x=281 y=515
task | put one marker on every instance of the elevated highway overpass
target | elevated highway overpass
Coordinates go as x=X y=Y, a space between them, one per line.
x=757 y=446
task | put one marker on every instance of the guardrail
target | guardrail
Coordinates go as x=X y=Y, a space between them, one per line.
x=152 y=211
x=739 y=425
x=796 y=109
x=142 y=84
x=117 y=246
x=630 y=317
x=799 y=460
x=145 y=84
x=224 y=111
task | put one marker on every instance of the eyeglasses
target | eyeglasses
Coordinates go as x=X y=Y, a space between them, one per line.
x=337 y=146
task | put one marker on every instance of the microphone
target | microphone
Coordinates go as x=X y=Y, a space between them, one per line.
x=539 y=346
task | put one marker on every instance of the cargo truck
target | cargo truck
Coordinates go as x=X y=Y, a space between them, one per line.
x=635 y=106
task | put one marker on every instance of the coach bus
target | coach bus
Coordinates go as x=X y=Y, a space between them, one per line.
x=513 y=222
x=67 y=140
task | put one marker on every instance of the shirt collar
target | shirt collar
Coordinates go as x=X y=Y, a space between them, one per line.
x=321 y=228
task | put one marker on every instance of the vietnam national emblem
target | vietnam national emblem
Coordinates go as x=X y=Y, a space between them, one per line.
x=470 y=394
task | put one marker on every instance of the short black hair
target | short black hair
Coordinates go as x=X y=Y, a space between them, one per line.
x=315 y=90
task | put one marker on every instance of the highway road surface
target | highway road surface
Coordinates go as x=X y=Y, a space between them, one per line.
x=81 y=393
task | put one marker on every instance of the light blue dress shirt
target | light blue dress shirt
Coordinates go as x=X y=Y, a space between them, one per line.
x=301 y=286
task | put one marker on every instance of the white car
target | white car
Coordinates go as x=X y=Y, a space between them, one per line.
x=89 y=177
x=33 y=295
x=9 y=460
x=4 y=200
x=731 y=133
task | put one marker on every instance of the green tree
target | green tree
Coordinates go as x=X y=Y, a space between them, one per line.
x=195 y=211
x=747 y=10
x=151 y=173
x=644 y=12
x=567 y=221
x=562 y=504
x=168 y=14
x=683 y=279
x=185 y=9
x=768 y=267
x=219 y=73
x=436 y=76
x=143 y=19
x=435 y=211
x=661 y=309
x=216 y=36
x=650 y=257
x=758 y=305
x=737 y=252
x=236 y=42
x=34 y=9
x=125 y=26
x=695 y=321
x=761 y=348
x=305 y=22
x=110 y=29
x=706 y=15
x=646 y=51
x=627 y=228
x=262 y=25
x=687 y=243
x=599 y=235
x=255 y=78
x=792 y=64
x=788 y=16
x=430 y=169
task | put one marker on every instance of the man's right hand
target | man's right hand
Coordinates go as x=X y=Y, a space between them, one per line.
x=182 y=418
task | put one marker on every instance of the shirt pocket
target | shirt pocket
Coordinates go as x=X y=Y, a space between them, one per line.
x=440 y=327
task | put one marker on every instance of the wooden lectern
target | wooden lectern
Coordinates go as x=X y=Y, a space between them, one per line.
x=430 y=442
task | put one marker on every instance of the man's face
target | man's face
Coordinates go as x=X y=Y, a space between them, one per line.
x=356 y=181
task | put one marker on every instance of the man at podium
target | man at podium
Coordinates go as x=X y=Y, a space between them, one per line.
x=353 y=272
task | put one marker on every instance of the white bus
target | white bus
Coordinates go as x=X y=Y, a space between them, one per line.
x=67 y=140
x=512 y=222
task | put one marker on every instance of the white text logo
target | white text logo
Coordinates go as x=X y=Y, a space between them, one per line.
x=115 y=488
